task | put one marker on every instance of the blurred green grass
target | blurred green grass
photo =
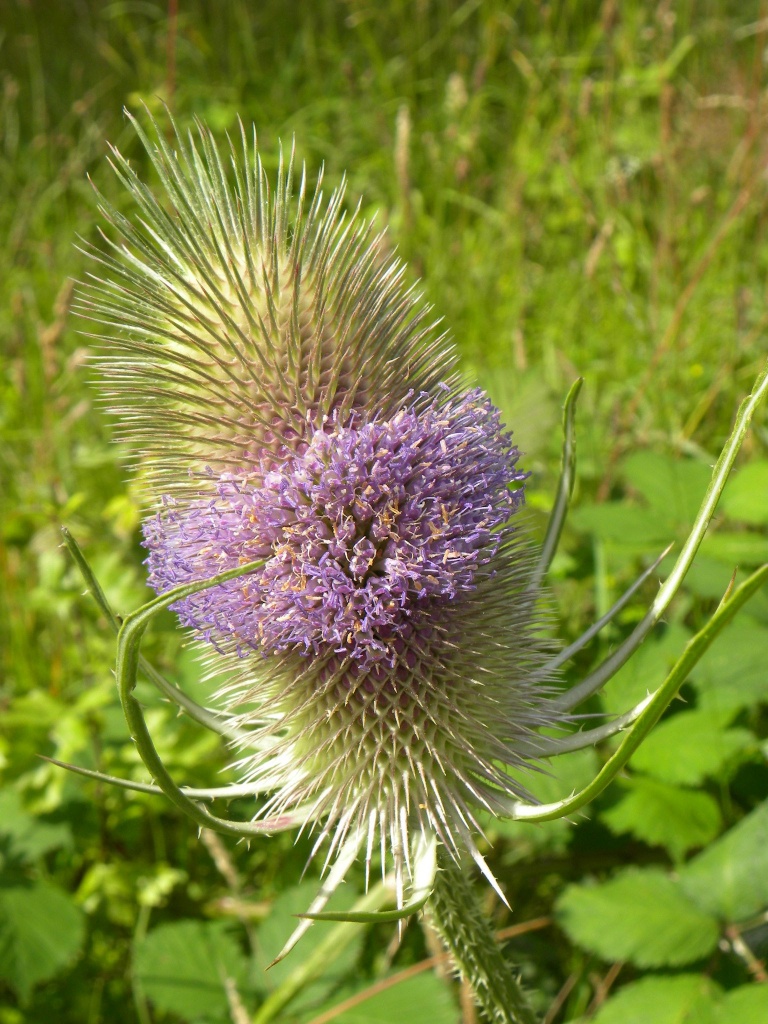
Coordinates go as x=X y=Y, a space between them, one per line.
x=580 y=187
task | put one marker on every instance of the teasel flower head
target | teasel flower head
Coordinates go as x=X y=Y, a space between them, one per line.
x=289 y=400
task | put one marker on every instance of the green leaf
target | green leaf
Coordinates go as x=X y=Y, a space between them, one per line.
x=640 y=915
x=730 y=878
x=41 y=932
x=664 y=815
x=732 y=674
x=690 y=747
x=423 y=998
x=28 y=837
x=746 y=496
x=745 y=1005
x=685 y=999
x=183 y=968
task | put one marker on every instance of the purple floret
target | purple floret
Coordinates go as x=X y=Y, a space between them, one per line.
x=370 y=529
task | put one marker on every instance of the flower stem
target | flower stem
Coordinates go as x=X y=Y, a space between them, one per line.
x=467 y=934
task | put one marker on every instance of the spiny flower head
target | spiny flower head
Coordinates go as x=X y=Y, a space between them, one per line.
x=290 y=402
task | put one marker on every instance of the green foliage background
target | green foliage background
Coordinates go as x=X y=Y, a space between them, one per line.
x=581 y=187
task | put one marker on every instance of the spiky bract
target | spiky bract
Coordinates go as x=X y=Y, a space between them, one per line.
x=239 y=319
x=289 y=400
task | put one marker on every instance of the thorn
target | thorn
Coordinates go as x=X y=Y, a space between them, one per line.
x=728 y=589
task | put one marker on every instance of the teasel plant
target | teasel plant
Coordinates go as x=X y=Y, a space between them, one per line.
x=335 y=517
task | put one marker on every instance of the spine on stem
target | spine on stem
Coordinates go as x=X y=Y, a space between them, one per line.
x=467 y=934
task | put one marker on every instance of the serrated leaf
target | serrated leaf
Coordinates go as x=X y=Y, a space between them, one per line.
x=640 y=915
x=685 y=999
x=690 y=747
x=41 y=931
x=664 y=815
x=730 y=878
x=183 y=968
x=423 y=998
x=733 y=673
x=746 y=496
x=747 y=1004
x=27 y=836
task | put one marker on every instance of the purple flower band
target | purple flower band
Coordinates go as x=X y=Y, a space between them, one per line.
x=365 y=533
